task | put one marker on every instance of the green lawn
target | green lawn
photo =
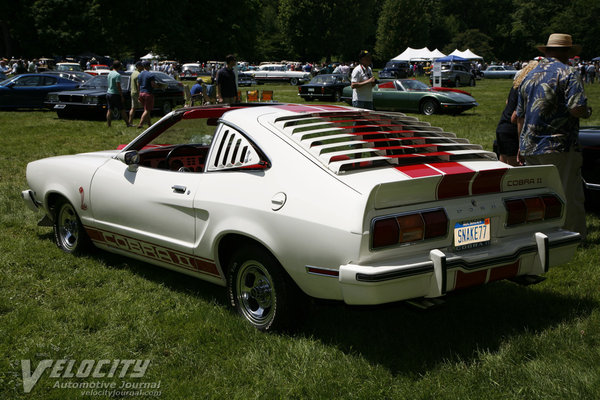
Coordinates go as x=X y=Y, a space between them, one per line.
x=501 y=341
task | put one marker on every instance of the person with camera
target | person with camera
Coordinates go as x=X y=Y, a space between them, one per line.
x=362 y=82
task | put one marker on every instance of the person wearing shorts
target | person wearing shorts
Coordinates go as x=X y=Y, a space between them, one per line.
x=114 y=94
x=147 y=86
x=135 y=91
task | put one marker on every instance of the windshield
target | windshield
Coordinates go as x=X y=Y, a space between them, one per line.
x=392 y=64
x=101 y=82
x=413 y=84
x=321 y=79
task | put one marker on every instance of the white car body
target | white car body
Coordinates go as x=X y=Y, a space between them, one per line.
x=310 y=185
x=278 y=73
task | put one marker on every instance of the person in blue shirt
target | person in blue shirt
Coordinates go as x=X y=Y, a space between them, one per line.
x=148 y=83
x=198 y=92
x=114 y=95
x=551 y=102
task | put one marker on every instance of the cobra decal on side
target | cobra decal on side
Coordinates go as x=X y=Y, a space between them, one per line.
x=152 y=251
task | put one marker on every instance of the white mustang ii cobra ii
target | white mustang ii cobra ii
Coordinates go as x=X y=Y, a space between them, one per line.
x=277 y=200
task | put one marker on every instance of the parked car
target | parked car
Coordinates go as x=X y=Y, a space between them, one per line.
x=191 y=71
x=411 y=95
x=326 y=87
x=395 y=70
x=89 y=101
x=30 y=90
x=98 y=69
x=454 y=74
x=333 y=202
x=77 y=76
x=589 y=140
x=278 y=73
x=246 y=80
x=68 y=66
x=500 y=72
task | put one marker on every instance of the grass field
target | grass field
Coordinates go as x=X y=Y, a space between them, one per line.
x=501 y=341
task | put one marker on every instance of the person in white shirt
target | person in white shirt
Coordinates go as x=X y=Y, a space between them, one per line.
x=362 y=82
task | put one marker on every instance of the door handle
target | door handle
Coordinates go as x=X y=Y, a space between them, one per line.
x=178 y=188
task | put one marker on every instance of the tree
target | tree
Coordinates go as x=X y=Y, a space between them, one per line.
x=474 y=40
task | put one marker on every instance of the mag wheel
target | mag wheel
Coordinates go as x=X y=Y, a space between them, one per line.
x=69 y=233
x=259 y=290
x=294 y=81
x=429 y=107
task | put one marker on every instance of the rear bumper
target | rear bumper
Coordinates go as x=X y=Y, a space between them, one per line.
x=442 y=272
x=30 y=200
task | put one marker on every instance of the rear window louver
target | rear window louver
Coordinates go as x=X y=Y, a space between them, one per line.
x=357 y=140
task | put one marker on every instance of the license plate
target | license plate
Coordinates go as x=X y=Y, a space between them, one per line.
x=311 y=89
x=59 y=106
x=468 y=235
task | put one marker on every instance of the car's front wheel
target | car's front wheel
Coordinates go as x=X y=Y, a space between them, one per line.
x=337 y=97
x=429 y=107
x=259 y=290
x=294 y=81
x=69 y=233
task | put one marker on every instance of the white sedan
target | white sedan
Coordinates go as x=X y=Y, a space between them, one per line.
x=278 y=73
x=280 y=201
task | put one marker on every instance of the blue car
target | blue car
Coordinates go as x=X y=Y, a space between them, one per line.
x=30 y=90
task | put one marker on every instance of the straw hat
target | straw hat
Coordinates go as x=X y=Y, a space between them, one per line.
x=560 y=40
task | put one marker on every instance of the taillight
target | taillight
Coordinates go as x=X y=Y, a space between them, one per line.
x=408 y=228
x=532 y=209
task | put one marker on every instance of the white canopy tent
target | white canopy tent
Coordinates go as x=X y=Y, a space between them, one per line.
x=423 y=54
x=437 y=54
x=468 y=54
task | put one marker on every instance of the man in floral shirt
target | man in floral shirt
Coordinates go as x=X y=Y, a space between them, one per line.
x=551 y=101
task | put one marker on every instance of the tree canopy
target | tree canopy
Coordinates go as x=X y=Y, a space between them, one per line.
x=302 y=30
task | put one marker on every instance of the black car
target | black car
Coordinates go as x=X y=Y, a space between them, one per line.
x=589 y=140
x=90 y=100
x=326 y=87
x=395 y=70
x=76 y=76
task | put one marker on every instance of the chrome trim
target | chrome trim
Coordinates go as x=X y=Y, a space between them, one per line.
x=335 y=272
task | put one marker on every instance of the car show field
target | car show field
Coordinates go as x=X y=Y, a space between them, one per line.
x=496 y=341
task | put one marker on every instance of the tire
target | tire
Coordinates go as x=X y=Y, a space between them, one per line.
x=294 y=81
x=166 y=108
x=69 y=233
x=309 y=98
x=116 y=114
x=260 y=291
x=337 y=97
x=429 y=107
x=472 y=81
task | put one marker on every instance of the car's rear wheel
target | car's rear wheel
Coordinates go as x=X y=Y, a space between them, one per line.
x=166 y=107
x=429 y=107
x=69 y=233
x=294 y=81
x=259 y=289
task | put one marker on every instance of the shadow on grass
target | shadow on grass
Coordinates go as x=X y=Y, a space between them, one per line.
x=407 y=340
x=401 y=338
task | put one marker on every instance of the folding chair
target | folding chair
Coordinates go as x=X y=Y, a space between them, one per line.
x=266 y=95
x=251 y=95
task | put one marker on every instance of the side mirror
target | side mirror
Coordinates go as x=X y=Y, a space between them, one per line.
x=131 y=159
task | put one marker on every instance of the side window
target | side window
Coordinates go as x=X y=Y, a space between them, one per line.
x=28 y=81
x=231 y=150
x=48 y=81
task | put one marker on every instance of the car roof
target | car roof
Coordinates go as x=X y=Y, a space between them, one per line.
x=345 y=139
